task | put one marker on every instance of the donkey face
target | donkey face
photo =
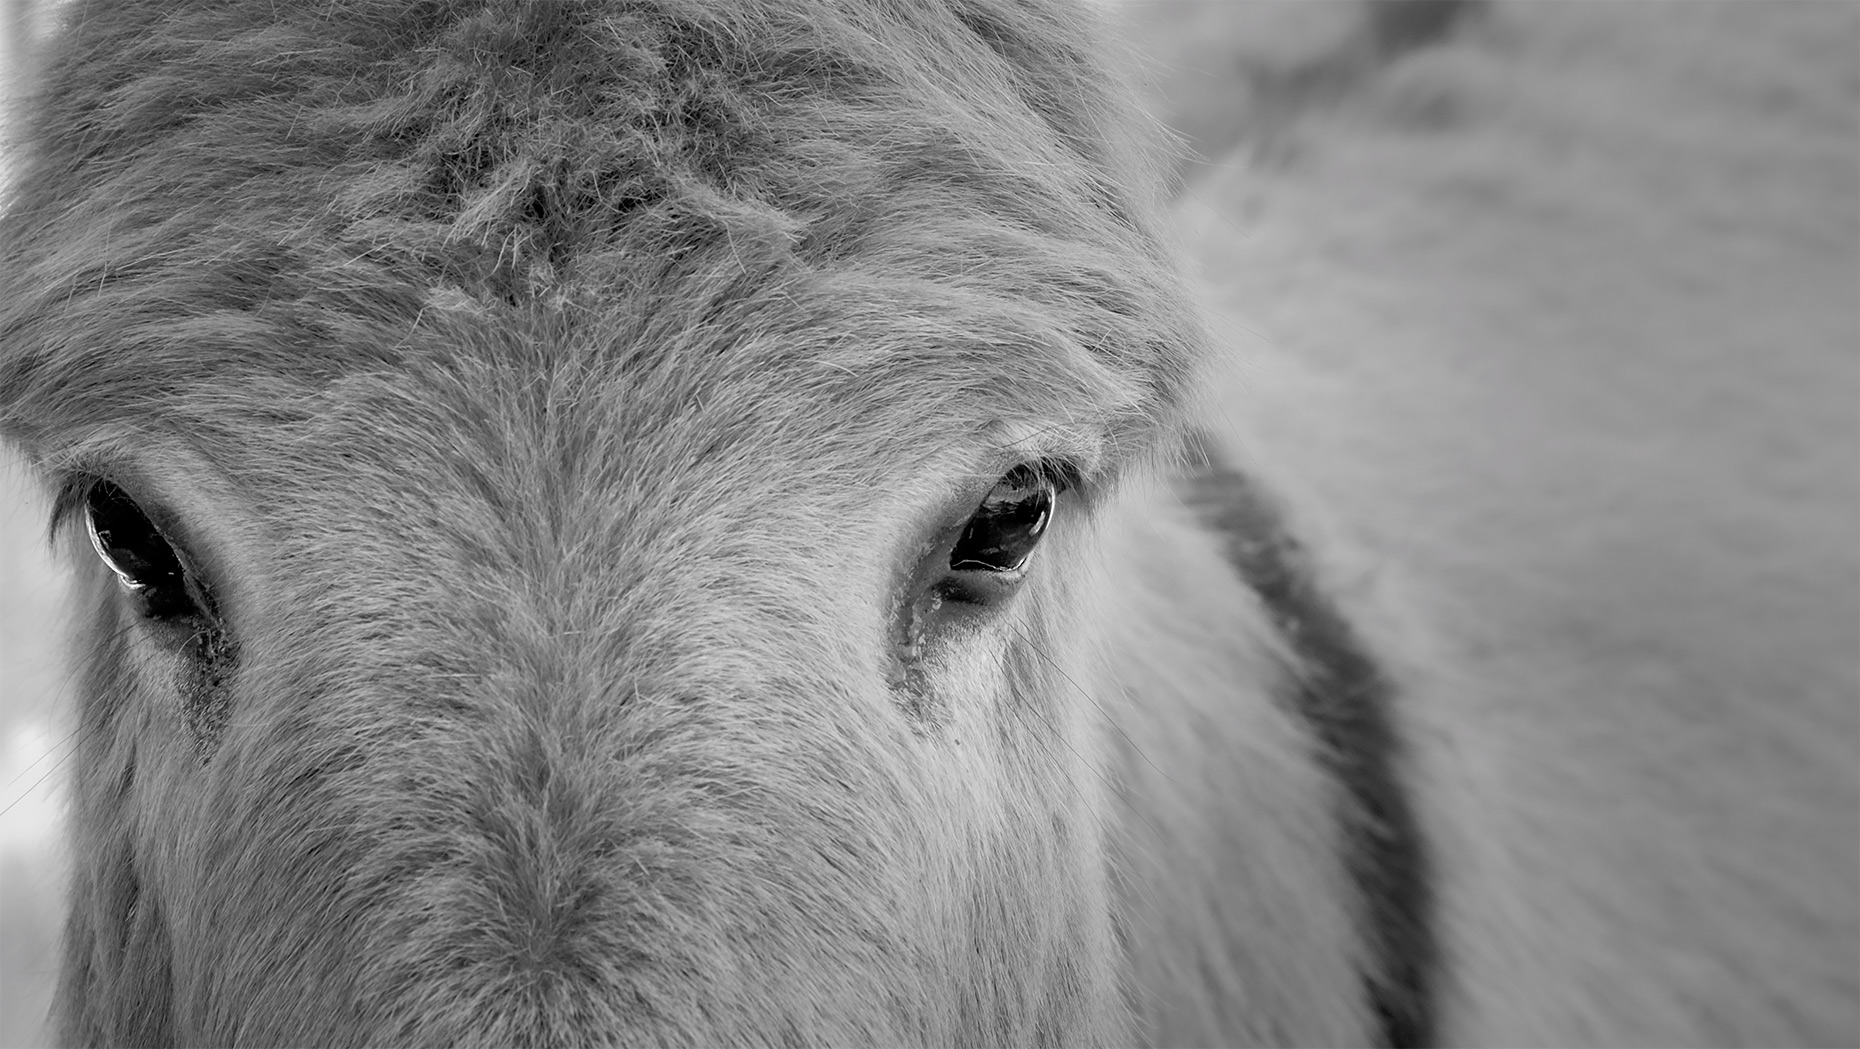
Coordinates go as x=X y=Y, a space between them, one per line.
x=593 y=510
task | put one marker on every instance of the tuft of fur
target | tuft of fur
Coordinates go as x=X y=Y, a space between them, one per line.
x=557 y=395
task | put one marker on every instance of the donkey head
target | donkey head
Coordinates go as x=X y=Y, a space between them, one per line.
x=588 y=513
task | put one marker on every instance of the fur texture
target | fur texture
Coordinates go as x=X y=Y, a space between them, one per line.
x=559 y=397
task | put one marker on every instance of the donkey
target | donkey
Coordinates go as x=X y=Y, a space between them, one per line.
x=648 y=521
x=682 y=522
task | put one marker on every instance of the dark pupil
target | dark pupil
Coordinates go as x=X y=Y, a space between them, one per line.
x=1007 y=526
x=134 y=548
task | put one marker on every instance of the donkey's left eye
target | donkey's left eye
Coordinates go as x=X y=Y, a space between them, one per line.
x=144 y=561
x=1003 y=531
x=961 y=582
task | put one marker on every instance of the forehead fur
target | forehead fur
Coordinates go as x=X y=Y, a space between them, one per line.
x=227 y=209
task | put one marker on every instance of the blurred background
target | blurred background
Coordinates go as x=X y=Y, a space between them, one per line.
x=1551 y=311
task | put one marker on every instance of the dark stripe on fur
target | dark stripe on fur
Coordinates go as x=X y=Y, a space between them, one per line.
x=1341 y=692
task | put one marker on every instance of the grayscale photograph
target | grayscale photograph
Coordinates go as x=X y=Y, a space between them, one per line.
x=886 y=523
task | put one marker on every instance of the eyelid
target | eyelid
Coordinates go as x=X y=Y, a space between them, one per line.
x=1076 y=452
x=1062 y=474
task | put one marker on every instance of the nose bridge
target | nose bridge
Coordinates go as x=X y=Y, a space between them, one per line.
x=635 y=632
x=606 y=605
x=645 y=800
x=585 y=593
x=552 y=554
x=628 y=570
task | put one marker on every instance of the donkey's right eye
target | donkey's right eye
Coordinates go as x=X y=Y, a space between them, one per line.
x=143 y=559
